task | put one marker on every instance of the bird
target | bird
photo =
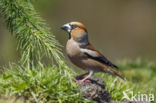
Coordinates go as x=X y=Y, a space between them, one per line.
x=83 y=54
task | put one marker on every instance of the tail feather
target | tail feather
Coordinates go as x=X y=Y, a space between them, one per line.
x=113 y=71
x=119 y=75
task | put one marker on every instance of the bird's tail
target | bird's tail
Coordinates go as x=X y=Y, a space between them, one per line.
x=119 y=75
x=113 y=71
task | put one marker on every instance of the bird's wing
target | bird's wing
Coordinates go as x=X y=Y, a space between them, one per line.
x=92 y=53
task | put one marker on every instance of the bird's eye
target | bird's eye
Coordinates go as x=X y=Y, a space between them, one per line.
x=74 y=26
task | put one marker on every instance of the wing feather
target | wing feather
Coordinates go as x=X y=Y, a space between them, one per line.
x=96 y=55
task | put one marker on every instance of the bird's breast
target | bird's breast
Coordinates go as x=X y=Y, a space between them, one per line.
x=72 y=49
x=80 y=59
x=74 y=53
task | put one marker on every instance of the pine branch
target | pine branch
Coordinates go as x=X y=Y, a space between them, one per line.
x=33 y=37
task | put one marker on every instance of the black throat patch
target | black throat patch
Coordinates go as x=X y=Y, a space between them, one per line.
x=69 y=35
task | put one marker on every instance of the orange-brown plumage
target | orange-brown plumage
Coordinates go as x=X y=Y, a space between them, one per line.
x=83 y=54
x=80 y=25
x=77 y=33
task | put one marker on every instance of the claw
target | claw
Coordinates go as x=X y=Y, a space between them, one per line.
x=81 y=78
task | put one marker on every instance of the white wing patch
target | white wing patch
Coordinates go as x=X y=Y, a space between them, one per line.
x=90 y=52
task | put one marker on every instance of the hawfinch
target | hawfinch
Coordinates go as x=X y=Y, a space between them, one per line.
x=83 y=54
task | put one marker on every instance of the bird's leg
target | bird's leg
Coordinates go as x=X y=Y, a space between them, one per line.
x=90 y=74
x=80 y=76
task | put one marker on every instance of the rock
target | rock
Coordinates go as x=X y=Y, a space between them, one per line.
x=95 y=90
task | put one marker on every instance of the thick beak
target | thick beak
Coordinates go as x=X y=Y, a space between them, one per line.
x=66 y=27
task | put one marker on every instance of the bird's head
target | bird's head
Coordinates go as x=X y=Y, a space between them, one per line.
x=76 y=31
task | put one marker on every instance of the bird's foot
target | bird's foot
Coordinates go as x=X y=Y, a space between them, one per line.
x=82 y=80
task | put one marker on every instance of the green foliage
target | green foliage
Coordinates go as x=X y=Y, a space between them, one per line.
x=117 y=86
x=33 y=37
x=140 y=72
x=37 y=83
x=44 y=85
x=140 y=75
x=55 y=84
